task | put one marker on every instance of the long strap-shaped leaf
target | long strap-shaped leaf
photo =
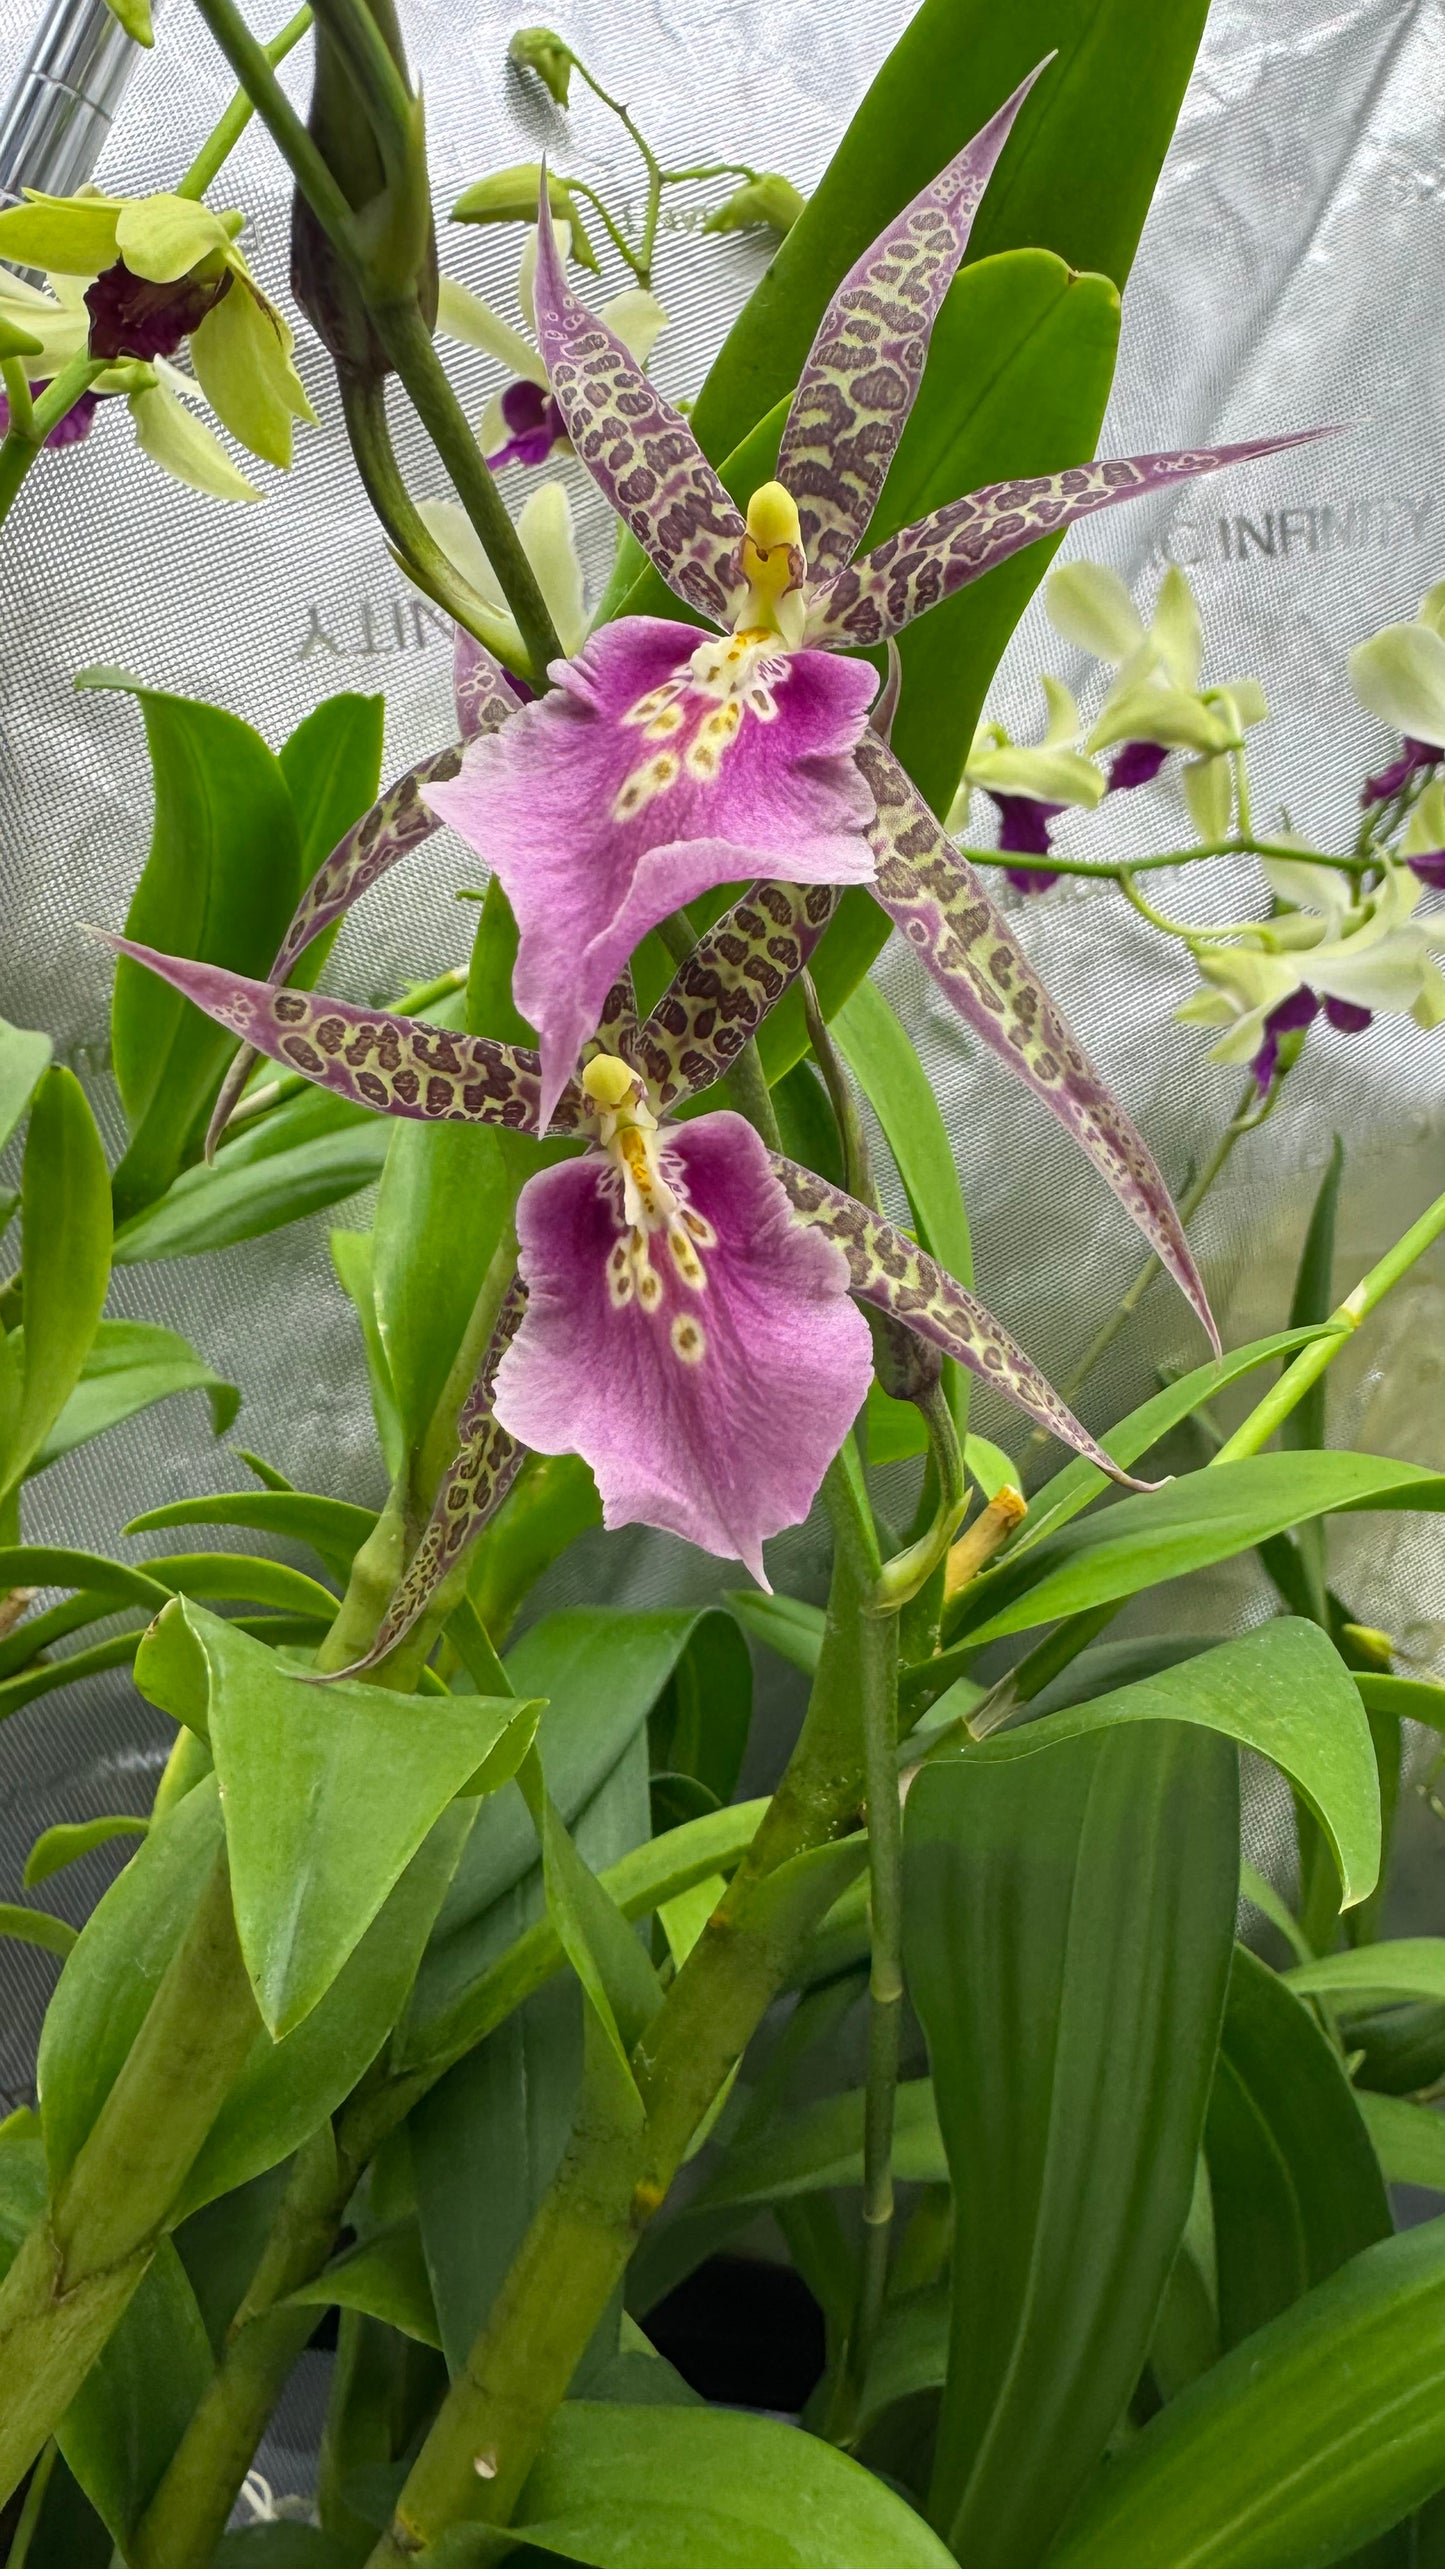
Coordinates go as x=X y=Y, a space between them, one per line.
x=892 y=1272
x=866 y=363
x=639 y=450
x=396 y=1065
x=735 y=974
x=398 y=821
x=937 y=898
x=476 y=1482
x=924 y=563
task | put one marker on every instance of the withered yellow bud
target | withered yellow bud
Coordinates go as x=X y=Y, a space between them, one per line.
x=608 y=1081
x=773 y=517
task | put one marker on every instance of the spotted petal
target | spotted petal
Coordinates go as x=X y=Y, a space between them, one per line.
x=866 y=363
x=476 y=1482
x=736 y=973
x=710 y=1411
x=397 y=822
x=654 y=771
x=890 y=1271
x=926 y=562
x=639 y=450
x=931 y=892
x=396 y=1065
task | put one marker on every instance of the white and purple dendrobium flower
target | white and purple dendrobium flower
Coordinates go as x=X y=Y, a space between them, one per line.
x=1029 y=788
x=662 y=767
x=684 y=1316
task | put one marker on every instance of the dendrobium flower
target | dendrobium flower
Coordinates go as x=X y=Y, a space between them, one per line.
x=1030 y=787
x=1328 y=953
x=522 y=424
x=1423 y=845
x=685 y=1317
x=1156 y=703
x=129 y=280
x=662 y=767
x=548 y=538
x=1399 y=674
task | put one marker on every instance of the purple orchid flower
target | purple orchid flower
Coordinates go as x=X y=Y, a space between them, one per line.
x=1135 y=763
x=662 y=767
x=685 y=1319
x=1392 y=780
x=1024 y=831
x=534 y=424
x=1429 y=864
x=68 y=431
x=1291 y=1017
x=130 y=316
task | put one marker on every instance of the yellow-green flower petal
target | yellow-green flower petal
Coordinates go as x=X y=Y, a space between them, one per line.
x=1399 y=675
x=545 y=528
x=1044 y=775
x=239 y=354
x=184 y=447
x=462 y=315
x=1166 y=715
x=1177 y=630
x=637 y=319
x=74 y=235
x=1209 y=793
x=1426 y=830
x=1092 y=609
x=164 y=237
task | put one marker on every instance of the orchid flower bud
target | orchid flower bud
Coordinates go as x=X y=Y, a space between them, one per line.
x=769 y=200
x=395 y=206
x=538 y=49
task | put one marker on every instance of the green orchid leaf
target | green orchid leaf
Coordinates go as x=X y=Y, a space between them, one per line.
x=1087 y=1896
x=334 y=1528
x=65 y=1268
x=220 y=883
x=130 y=1365
x=618 y=1981
x=651 y=2487
x=1410 y=1699
x=1072 y=1489
x=55 y=1565
x=1187 y=1525
x=311 y=1152
x=1398 y=1967
x=332 y=766
x=821 y=2146
x=162 y=237
x=351 y=1256
x=699 y=1725
x=787 y=1625
x=444 y=1204
x=553 y=1500
x=23 y=1056
x=1282 y=1691
x=35 y=1927
x=71 y=1839
x=1293 y=2179
x=1077 y=178
x=1409 y=2140
x=18 y=342
x=328 y=1793
x=384 y=2276
x=287 y=2089
x=70 y=236
x=138 y=2398
x=1319 y=2432
x=234 y=1576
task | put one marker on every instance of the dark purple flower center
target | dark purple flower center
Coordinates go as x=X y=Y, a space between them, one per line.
x=535 y=426
x=1023 y=830
x=1296 y=1012
x=1414 y=754
x=67 y=431
x=1135 y=762
x=132 y=317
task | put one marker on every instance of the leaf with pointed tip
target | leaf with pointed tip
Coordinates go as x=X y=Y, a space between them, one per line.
x=384 y=2276
x=891 y=1271
x=664 y=487
x=309 y=1152
x=65 y=1267
x=863 y=371
x=35 y=1927
x=328 y=1793
x=131 y=1364
x=23 y=1056
x=334 y=1528
x=69 y=1840
x=937 y=899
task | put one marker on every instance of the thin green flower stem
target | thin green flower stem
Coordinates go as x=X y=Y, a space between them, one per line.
x=363 y=408
x=1239 y=762
x=30 y=2513
x=1094 y=873
x=615 y=2174
x=910 y=1570
x=77 y=2268
x=619 y=240
x=1188 y=933
x=1049 y=1657
x=640 y=260
x=402 y=332
x=219 y=144
x=23 y=443
x=712 y=169
x=17 y=394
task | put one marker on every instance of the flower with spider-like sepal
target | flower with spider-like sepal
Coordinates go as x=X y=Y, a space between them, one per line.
x=661 y=767
x=1328 y=953
x=522 y=424
x=1029 y=788
x=685 y=1318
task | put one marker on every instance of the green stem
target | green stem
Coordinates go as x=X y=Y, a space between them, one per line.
x=910 y=1570
x=77 y=2269
x=491 y=2425
x=32 y=2510
x=709 y=169
x=17 y=394
x=1236 y=846
x=363 y=408
x=408 y=343
x=23 y=443
x=252 y=66
x=377 y=79
x=618 y=238
x=219 y=144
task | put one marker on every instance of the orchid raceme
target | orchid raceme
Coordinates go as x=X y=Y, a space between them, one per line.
x=1156 y=702
x=1328 y=952
x=689 y=1326
x=662 y=767
x=522 y=424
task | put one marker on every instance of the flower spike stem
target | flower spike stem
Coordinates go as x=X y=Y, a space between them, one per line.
x=363 y=408
x=402 y=332
x=1249 y=844
x=219 y=144
x=25 y=437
